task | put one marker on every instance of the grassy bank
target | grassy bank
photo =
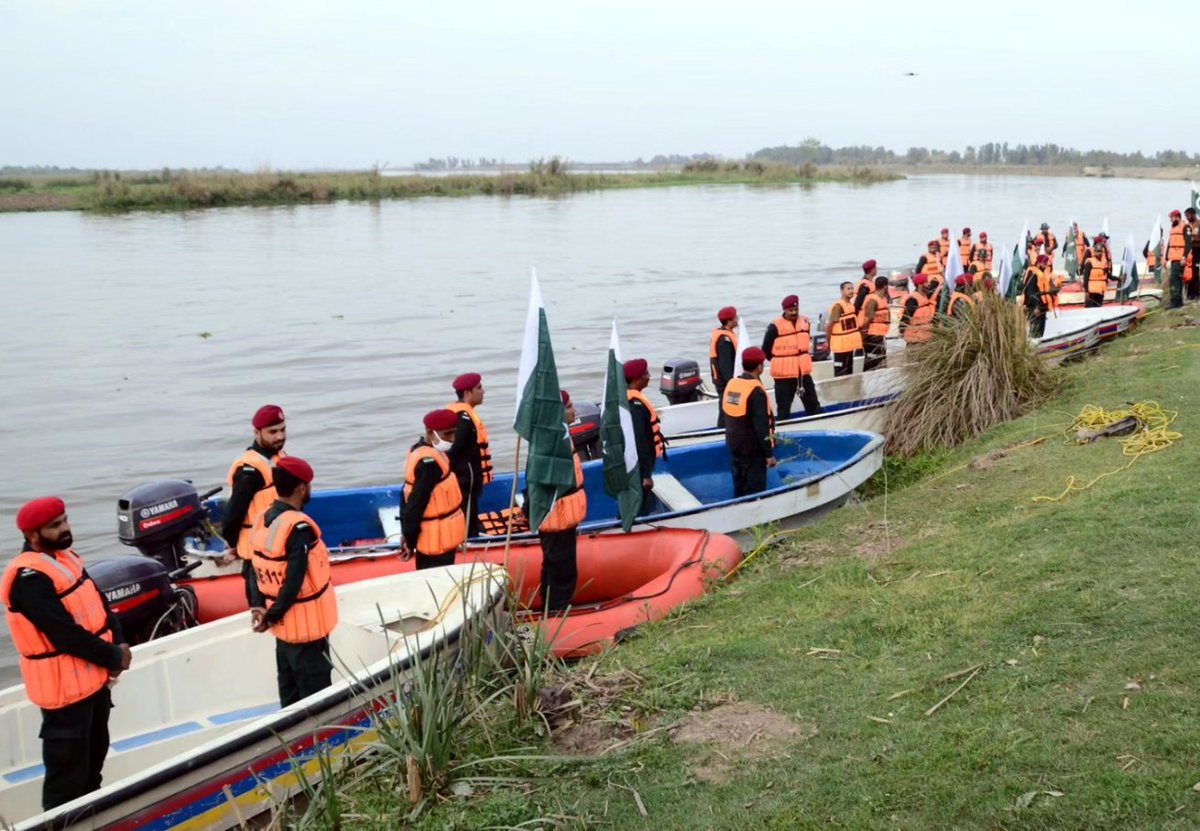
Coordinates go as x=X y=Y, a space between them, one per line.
x=950 y=655
x=169 y=190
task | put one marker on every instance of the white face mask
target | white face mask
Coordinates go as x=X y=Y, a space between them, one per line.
x=442 y=445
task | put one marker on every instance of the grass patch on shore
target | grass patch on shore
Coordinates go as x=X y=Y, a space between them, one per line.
x=168 y=190
x=955 y=656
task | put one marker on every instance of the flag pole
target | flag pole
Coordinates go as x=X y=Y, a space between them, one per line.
x=512 y=501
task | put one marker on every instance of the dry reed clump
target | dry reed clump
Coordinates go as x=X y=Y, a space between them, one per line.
x=971 y=375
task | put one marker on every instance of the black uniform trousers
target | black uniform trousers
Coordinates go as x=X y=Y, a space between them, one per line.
x=1176 y=282
x=1192 y=287
x=559 y=571
x=1093 y=301
x=785 y=393
x=434 y=560
x=720 y=401
x=874 y=352
x=301 y=669
x=843 y=364
x=749 y=474
x=1037 y=322
x=74 y=745
x=471 y=493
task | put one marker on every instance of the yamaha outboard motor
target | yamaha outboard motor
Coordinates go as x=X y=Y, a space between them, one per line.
x=144 y=597
x=585 y=431
x=156 y=517
x=820 y=347
x=680 y=381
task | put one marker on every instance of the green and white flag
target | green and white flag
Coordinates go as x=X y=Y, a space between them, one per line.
x=1195 y=196
x=1071 y=252
x=1129 y=272
x=1004 y=272
x=1155 y=244
x=954 y=267
x=1017 y=284
x=622 y=480
x=541 y=418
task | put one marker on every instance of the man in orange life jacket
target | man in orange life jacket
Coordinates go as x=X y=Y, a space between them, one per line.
x=1049 y=243
x=842 y=332
x=788 y=346
x=983 y=253
x=432 y=523
x=966 y=248
x=749 y=425
x=251 y=489
x=291 y=593
x=943 y=251
x=1038 y=293
x=647 y=433
x=722 y=352
x=930 y=264
x=70 y=648
x=1178 y=244
x=471 y=454
x=961 y=299
x=559 y=536
x=1193 y=258
x=877 y=321
x=865 y=286
x=1095 y=276
x=916 y=320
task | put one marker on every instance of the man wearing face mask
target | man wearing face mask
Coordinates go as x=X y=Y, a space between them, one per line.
x=251 y=488
x=432 y=523
x=291 y=593
x=70 y=647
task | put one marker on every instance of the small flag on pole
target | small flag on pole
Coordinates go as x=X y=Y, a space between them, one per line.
x=1195 y=196
x=622 y=481
x=1155 y=244
x=1071 y=251
x=954 y=267
x=1004 y=276
x=1129 y=275
x=541 y=418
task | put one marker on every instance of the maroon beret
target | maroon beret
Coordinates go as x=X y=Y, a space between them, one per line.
x=966 y=230
x=945 y=230
x=726 y=314
x=566 y=397
x=39 y=512
x=1043 y=259
x=934 y=244
x=1175 y=213
x=960 y=281
x=441 y=419
x=983 y=234
x=920 y=279
x=467 y=381
x=267 y=415
x=970 y=278
x=789 y=301
x=296 y=466
x=635 y=368
x=753 y=356
x=868 y=265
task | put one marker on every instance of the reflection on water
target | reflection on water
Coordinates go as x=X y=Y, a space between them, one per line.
x=137 y=346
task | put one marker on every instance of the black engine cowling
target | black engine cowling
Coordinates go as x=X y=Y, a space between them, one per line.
x=680 y=381
x=144 y=598
x=155 y=517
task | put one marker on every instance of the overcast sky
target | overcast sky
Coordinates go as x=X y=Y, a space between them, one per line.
x=300 y=83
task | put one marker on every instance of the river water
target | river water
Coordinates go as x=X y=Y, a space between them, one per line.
x=136 y=347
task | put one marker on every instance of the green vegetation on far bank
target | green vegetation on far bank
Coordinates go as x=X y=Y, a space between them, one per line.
x=171 y=190
x=950 y=655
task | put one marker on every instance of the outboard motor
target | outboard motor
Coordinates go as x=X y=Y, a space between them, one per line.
x=585 y=430
x=157 y=517
x=680 y=381
x=820 y=346
x=144 y=597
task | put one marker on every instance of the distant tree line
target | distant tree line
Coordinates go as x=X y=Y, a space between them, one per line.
x=813 y=151
x=455 y=163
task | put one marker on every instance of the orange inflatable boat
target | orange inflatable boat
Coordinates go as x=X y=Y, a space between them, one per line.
x=624 y=580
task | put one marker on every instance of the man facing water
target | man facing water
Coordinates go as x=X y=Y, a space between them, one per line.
x=749 y=425
x=471 y=454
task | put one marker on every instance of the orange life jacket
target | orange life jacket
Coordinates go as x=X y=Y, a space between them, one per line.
x=443 y=525
x=314 y=614
x=481 y=433
x=1151 y=257
x=983 y=253
x=964 y=250
x=1098 y=276
x=736 y=401
x=1044 y=286
x=920 y=324
x=943 y=249
x=1051 y=244
x=660 y=443
x=881 y=322
x=53 y=679
x=956 y=298
x=844 y=334
x=1175 y=244
x=791 y=354
x=261 y=501
x=717 y=334
x=933 y=266
x=569 y=509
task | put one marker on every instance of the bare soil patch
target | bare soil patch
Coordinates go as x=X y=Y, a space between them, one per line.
x=736 y=732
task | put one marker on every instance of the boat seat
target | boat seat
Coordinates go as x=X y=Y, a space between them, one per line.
x=389 y=520
x=671 y=492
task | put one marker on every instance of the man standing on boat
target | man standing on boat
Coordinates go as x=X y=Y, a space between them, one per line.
x=749 y=425
x=865 y=286
x=722 y=352
x=877 y=321
x=1049 y=242
x=842 y=332
x=930 y=264
x=70 y=648
x=559 y=536
x=788 y=346
x=1178 y=245
x=966 y=248
x=916 y=321
x=292 y=596
x=943 y=250
x=1095 y=280
x=432 y=522
x=1038 y=295
x=647 y=432
x=471 y=455
x=251 y=487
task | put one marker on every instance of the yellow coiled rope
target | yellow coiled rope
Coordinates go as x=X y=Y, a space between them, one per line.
x=1151 y=436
